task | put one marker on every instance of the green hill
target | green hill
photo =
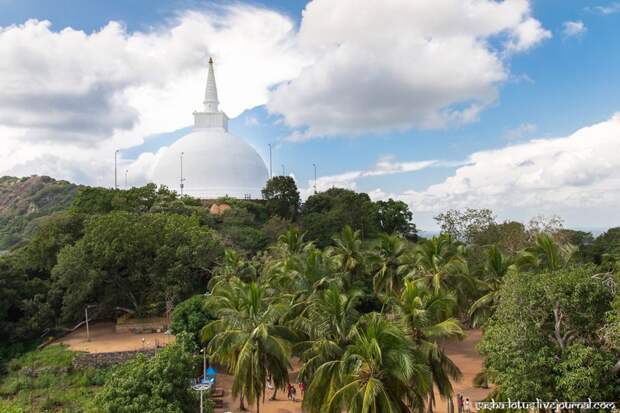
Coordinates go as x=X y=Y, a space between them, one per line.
x=24 y=201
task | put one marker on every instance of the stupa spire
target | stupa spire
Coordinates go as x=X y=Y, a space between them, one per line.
x=211 y=102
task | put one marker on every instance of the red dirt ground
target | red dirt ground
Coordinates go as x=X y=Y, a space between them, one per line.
x=104 y=339
x=463 y=353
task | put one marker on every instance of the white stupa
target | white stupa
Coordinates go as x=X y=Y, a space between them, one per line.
x=214 y=162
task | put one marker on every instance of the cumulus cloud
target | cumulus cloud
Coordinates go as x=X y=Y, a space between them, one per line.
x=574 y=173
x=393 y=67
x=573 y=28
x=386 y=165
x=70 y=98
x=566 y=175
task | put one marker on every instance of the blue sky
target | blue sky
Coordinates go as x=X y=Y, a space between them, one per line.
x=560 y=83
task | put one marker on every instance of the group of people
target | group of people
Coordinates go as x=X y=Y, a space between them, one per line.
x=464 y=405
x=291 y=391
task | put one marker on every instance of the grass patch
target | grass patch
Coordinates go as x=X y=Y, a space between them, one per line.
x=45 y=381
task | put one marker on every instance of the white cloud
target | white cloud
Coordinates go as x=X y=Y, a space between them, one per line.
x=568 y=175
x=573 y=28
x=394 y=67
x=69 y=98
x=520 y=131
x=386 y=165
x=575 y=176
x=611 y=8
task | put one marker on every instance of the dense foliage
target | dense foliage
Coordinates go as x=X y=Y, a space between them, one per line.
x=157 y=384
x=340 y=281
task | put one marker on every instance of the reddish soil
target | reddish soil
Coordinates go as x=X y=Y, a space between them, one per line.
x=463 y=353
x=103 y=339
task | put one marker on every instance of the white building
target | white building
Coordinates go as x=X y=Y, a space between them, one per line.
x=214 y=162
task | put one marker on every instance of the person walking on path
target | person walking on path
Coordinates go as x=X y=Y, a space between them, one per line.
x=467 y=406
x=459 y=402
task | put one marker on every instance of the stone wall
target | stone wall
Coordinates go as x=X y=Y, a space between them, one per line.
x=104 y=360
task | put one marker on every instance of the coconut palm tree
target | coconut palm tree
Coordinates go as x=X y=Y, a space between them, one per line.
x=375 y=373
x=496 y=266
x=387 y=259
x=546 y=254
x=233 y=265
x=426 y=316
x=327 y=321
x=440 y=263
x=247 y=339
x=347 y=251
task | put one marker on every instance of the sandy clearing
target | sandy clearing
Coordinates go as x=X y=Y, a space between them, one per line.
x=103 y=339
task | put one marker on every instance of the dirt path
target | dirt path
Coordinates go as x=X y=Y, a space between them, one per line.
x=103 y=339
x=463 y=353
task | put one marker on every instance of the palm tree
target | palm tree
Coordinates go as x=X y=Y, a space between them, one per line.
x=248 y=340
x=347 y=251
x=327 y=321
x=440 y=263
x=497 y=265
x=426 y=316
x=375 y=374
x=234 y=265
x=546 y=254
x=387 y=259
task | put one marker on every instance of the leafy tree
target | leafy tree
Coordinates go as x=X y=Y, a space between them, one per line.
x=584 y=372
x=190 y=316
x=528 y=342
x=282 y=197
x=605 y=245
x=327 y=213
x=241 y=229
x=395 y=217
x=158 y=384
x=274 y=227
x=136 y=262
x=465 y=225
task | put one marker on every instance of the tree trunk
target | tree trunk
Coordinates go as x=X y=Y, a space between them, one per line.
x=241 y=405
x=431 y=400
x=258 y=403
x=275 y=391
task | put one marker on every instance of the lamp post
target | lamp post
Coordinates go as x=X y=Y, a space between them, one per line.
x=115 y=168
x=314 y=177
x=126 y=172
x=270 y=170
x=182 y=179
x=86 y=316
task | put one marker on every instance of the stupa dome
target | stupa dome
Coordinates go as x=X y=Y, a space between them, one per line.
x=212 y=162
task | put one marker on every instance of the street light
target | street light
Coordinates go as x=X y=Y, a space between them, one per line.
x=115 y=169
x=126 y=172
x=182 y=179
x=314 y=177
x=86 y=315
x=270 y=170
